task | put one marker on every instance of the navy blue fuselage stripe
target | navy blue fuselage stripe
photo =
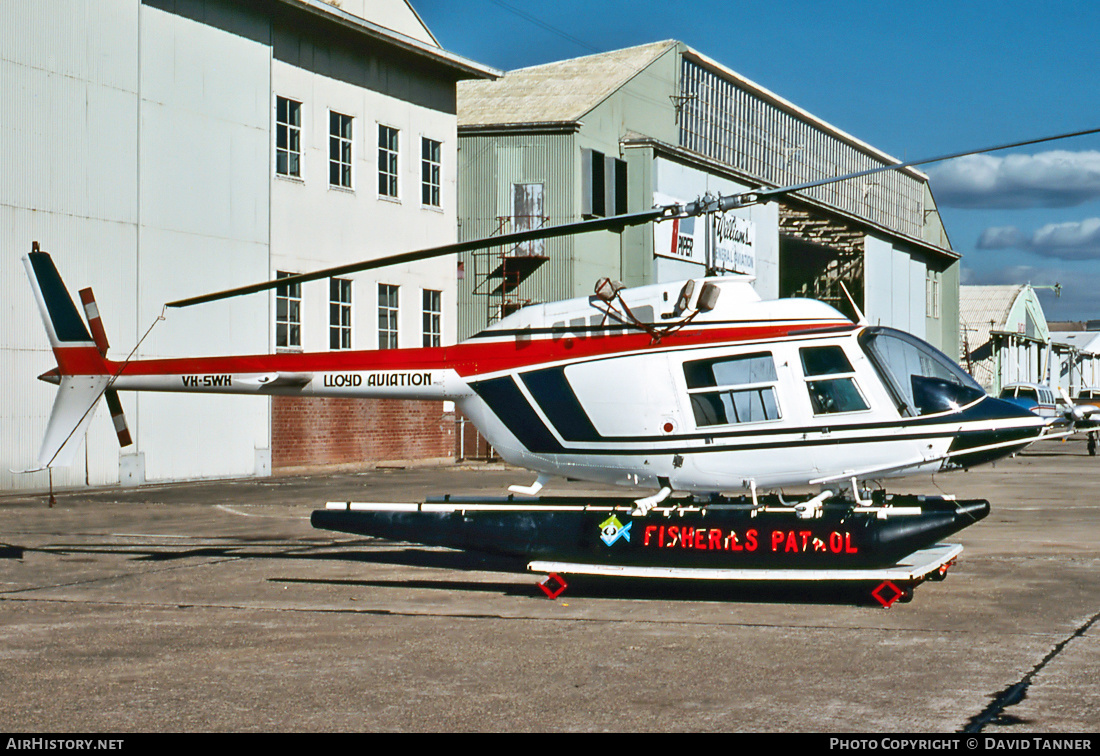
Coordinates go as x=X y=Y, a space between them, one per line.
x=509 y=404
x=558 y=402
x=67 y=323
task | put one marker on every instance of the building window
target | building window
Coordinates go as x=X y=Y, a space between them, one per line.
x=339 y=313
x=932 y=294
x=603 y=185
x=339 y=150
x=430 y=161
x=528 y=205
x=288 y=314
x=433 y=318
x=288 y=137
x=387 y=161
x=387 y=316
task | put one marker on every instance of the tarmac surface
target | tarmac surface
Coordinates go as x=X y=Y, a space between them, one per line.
x=214 y=606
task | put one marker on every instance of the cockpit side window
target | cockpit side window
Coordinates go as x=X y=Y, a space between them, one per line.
x=735 y=389
x=830 y=381
x=922 y=379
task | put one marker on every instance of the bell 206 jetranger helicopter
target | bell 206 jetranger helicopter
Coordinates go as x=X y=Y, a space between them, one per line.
x=699 y=394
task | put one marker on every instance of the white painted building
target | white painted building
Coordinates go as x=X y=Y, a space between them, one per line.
x=1077 y=355
x=161 y=149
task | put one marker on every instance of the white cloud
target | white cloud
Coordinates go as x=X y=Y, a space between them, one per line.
x=1002 y=237
x=1066 y=241
x=1048 y=179
x=1015 y=274
x=1078 y=297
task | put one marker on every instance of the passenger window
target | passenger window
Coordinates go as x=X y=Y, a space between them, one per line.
x=833 y=394
x=745 y=389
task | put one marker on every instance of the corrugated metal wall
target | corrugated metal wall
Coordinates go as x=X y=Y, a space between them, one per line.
x=493 y=163
x=68 y=179
x=728 y=123
x=134 y=148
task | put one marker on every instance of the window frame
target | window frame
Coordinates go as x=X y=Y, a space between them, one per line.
x=431 y=302
x=431 y=173
x=292 y=295
x=389 y=165
x=293 y=137
x=389 y=316
x=340 y=318
x=341 y=152
x=932 y=295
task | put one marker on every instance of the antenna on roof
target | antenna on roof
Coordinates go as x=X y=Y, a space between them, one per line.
x=1056 y=287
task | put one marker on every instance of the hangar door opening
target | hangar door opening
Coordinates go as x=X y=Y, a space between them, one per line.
x=816 y=255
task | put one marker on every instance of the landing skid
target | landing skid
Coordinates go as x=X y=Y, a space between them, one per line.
x=891 y=584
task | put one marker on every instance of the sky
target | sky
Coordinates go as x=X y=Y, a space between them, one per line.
x=916 y=80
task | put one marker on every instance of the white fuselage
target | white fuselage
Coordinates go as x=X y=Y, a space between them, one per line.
x=648 y=391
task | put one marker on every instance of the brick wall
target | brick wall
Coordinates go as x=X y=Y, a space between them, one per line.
x=309 y=431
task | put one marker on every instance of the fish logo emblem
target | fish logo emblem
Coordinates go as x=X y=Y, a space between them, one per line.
x=611 y=530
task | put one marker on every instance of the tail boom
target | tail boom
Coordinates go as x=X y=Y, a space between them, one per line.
x=295 y=375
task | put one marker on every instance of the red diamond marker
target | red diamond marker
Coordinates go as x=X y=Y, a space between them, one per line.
x=887 y=602
x=553 y=593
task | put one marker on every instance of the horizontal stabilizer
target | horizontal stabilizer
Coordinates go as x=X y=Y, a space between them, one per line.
x=73 y=409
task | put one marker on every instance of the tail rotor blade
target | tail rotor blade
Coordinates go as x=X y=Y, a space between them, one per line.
x=99 y=333
x=118 y=418
x=91 y=311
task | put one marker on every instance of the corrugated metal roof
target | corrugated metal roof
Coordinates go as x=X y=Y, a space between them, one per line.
x=554 y=92
x=986 y=305
x=982 y=310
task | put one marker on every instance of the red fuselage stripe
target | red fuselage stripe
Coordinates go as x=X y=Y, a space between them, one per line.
x=467 y=358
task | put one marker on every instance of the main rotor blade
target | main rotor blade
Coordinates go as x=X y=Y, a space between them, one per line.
x=617 y=222
x=698 y=207
x=737 y=199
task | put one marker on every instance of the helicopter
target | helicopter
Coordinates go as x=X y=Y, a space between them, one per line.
x=697 y=394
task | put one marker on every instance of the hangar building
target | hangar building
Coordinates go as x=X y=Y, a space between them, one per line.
x=1003 y=335
x=160 y=149
x=1078 y=359
x=662 y=123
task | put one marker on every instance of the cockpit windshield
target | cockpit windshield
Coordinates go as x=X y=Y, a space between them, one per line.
x=923 y=380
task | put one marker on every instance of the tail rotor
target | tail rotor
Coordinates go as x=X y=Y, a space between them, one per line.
x=99 y=335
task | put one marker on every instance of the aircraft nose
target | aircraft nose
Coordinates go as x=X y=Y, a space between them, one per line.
x=1000 y=428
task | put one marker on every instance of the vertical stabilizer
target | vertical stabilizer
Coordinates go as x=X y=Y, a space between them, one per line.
x=82 y=375
x=63 y=323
